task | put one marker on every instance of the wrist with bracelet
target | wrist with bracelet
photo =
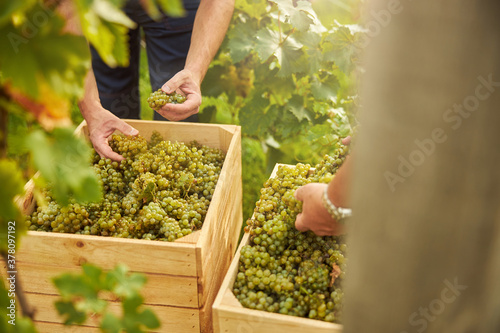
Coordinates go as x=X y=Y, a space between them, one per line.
x=339 y=214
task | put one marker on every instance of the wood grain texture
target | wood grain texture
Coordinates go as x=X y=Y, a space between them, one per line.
x=160 y=289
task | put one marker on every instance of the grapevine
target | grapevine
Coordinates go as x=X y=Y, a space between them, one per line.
x=161 y=190
x=286 y=271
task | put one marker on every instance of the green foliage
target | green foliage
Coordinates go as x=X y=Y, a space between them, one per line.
x=287 y=72
x=34 y=53
x=12 y=186
x=63 y=160
x=81 y=297
x=22 y=324
x=173 y=8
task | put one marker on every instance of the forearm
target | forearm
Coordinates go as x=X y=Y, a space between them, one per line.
x=210 y=26
x=90 y=105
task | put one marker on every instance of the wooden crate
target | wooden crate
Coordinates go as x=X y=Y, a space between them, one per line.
x=183 y=276
x=230 y=316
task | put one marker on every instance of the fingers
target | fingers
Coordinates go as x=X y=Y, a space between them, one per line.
x=299 y=223
x=176 y=81
x=126 y=128
x=105 y=151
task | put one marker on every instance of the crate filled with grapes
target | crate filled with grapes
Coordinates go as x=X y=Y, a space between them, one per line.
x=281 y=279
x=171 y=211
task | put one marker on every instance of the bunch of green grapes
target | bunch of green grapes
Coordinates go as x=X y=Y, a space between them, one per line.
x=286 y=271
x=159 y=98
x=160 y=191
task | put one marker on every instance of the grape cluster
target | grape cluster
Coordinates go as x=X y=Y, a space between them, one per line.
x=159 y=98
x=160 y=191
x=286 y=271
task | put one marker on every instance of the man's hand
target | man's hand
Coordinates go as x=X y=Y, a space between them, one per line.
x=101 y=127
x=314 y=215
x=187 y=84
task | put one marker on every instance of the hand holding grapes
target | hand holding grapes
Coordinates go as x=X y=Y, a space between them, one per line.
x=315 y=216
x=100 y=129
x=185 y=82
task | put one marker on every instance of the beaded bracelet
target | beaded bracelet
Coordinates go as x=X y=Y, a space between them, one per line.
x=339 y=214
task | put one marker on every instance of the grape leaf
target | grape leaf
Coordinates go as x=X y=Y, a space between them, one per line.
x=300 y=15
x=252 y=8
x=342 y=48
x=64 y=162
x=31 y=57
x=105 y=27
x=9 y=8
x=287 y=52
x=296 y=107
x=241 y=41
x=12 y=185
x=252 y=113
x=172 y=7
x=342 y=11
x=68 y=310
x=111 y=323
x=324 y=89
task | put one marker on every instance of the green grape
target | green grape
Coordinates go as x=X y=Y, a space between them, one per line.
x=160 y=191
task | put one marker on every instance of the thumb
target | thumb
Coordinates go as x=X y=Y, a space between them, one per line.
x=171 y=85
x=126 y=128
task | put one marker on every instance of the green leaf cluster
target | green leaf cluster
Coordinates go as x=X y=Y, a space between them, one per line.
x=81 y=297
x=63 y=160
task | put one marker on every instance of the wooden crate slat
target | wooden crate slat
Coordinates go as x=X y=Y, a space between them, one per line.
x=71 y=250
x=173 y=319
x=217 y=243
x=160 y=289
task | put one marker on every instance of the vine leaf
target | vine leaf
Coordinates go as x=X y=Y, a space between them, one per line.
x=105 y=26
x=287 y=52
x=64 y=162
x=9 y=8
x=241 y=41
x=342 y=48
x=300 y=15
x=31 y=57
x=296 y=107
x=326 y=89
x=172 y=8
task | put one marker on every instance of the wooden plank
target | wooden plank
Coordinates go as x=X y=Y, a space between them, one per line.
x=46 y=327
x=218 y=240
x=160 y=289
x=206 y=134
x=173 y=319
x=141 y=255
x=233 y=319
